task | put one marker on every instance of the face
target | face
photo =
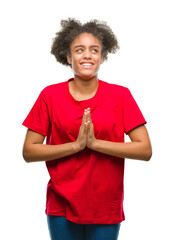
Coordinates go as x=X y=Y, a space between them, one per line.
x=85 y=56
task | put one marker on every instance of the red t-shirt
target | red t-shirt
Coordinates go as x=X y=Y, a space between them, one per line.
x=85 y=187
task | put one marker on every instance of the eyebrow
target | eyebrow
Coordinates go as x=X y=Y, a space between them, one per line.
x=84 y=46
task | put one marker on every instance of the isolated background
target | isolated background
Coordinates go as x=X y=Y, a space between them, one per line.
x=144 y=64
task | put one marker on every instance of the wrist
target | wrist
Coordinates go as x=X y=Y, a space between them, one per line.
x=94 y=144
x=77 y=146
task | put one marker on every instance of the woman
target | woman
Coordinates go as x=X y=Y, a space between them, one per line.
x=84 y=120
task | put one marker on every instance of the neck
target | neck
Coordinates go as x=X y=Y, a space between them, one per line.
x=85 y=86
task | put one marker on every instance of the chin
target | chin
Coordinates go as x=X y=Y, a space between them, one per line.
x=86 y=76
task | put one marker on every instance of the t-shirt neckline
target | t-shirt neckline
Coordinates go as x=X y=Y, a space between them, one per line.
x=89 y=100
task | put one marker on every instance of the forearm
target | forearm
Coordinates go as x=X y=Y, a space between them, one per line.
x=42 y=152
x=132 y=150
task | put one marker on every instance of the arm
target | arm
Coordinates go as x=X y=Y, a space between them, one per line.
x=34 y=150
x=139 y=147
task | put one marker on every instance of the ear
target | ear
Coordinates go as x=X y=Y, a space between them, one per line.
x=69 y=59
x=101 y=60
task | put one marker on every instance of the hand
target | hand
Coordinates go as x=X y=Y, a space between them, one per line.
x=90 y=130
x=86 y=133
x=82 y=137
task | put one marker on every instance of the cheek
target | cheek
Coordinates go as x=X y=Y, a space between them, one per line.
x=98 y=59
x=73 y=65
x=75 y=61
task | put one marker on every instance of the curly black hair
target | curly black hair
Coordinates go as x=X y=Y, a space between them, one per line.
x=71 y=28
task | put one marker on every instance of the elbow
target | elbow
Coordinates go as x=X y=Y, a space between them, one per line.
x=147 y=157
x=27 y=160
x=148 y=154
x=26 y=156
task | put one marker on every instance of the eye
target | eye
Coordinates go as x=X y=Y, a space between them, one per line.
x=79 y=50
x=95 y=50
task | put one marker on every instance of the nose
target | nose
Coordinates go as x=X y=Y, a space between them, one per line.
x=87 y=54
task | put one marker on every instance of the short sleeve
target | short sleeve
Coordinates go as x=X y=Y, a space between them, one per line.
x=38 y=117
x=133 y=116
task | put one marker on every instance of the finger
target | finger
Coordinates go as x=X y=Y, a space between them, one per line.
x=84 y=115
x=88 y=117
x=84 y=118
x=88 y=127
x=89 y=123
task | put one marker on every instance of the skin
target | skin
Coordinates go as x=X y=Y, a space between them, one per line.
x=84 y=86
x=85 y=48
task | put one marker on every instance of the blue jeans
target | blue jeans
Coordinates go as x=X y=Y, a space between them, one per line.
x=62 y=229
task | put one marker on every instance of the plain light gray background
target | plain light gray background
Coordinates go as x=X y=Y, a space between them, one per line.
x=144 y=64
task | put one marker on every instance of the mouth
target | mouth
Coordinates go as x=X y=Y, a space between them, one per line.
x=87 y=64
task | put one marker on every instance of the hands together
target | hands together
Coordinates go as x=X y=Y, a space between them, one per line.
x=86 y=133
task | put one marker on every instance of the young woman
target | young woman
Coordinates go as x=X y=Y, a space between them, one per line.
x=84 y=120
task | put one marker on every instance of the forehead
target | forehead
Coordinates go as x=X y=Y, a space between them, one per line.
x=86 y=39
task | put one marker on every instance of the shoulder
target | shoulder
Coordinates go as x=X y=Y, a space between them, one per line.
x=53 y=89
x=115 y=88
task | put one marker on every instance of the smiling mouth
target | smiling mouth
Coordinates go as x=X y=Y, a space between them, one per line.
x=87 y=65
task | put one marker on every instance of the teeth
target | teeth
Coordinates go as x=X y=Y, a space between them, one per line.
x=86 y=64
